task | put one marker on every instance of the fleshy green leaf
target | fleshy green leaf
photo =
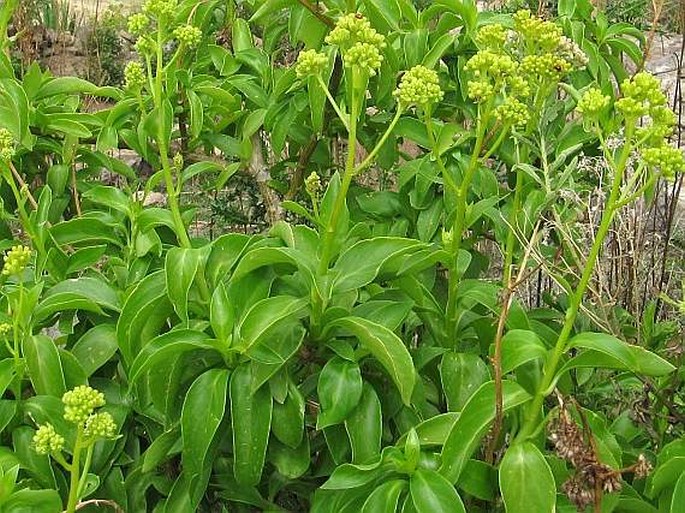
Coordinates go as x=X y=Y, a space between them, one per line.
x=432 y=493
x=526 y=481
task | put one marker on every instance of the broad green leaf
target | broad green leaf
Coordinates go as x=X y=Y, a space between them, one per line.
x=365 y=427
x=620 y=355
x=361 y=263
x=181 y=266
x=203 y=411
x=65 y=85
x=473 y=423
x=30 y=501
x=480 y=480
x=291 y=462
x=435 y=430
x=109 y=197
x=526 y=481
x=166 y=347
x=385 y=498
x=83 y=231
x=288 y=418
x=387 y=348
x=350 y=475
x=520 y=347
x=6 y=374
x=384 y=14
x=221 y=315
x=44 y=366
x=280 y=345
x=96 y=347
x=159 y=449
x=226 y=250
x=266 y=314
x=461 y=375
x=665 y=476
x=144 y=312
x=251 y=421
x=339 y=390
x=432 y=493
x=86 y=293
x=678 y=495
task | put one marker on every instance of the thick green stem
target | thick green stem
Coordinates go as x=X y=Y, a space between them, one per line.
x=163 y=145
x=550 y=368
x=75 y=473
x=458 y=232
x=86 y=469
x=331 y=226
x=371 y=156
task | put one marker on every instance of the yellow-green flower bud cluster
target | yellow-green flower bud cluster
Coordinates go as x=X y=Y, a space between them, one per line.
x=134 y=75
x=352 y=29
x=512 y=112
x=5 y=329
x=666 y=158
x=592 y=103
x=642 y=96
x=47 y=441
x=312 y=184
x=420 y=86
x=6 y=145
x=100 y=425
x=160 y=8
x=138 y=23
x=359 y=43
x=80 y=403
x=546 y=67
x=310 y=62
x=493 y=36
x=16 y=260
x=492 y=72
x=145 y=45
x=545 y=34
x=188 y=35
x=365 y=57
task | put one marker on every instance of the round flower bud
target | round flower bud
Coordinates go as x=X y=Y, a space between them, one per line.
x=310 y=62
x=480 y=90
x=6 y=145
x=16 y=260
x=419 y=86
x=312 y=184
x=160 y=8
x=666 y=158
x=80 y=402
x=47 y=441
x=134 y=76
x=492 y=36
x=592 y=102
x=352 y=29
x=100 y=425
x=5 y=329
x=512 y=112
x=138 y=23
x=364 y=57
x=188 y=35
x=145 y=45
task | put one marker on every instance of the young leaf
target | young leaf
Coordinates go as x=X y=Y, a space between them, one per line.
x=44 y=365
x=387 y=348
x=365 y=427
x=385 y=498
x=251 y=420
x=203 y=411
x=432 y=493
x=526 y=481
x=473 y=423
x=339 y=390
x=182 y=265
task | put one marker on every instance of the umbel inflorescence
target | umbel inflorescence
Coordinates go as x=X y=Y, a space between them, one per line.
x=516 y=69
x=80 y=405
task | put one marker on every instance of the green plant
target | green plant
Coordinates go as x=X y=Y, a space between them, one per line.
x=376 y=354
